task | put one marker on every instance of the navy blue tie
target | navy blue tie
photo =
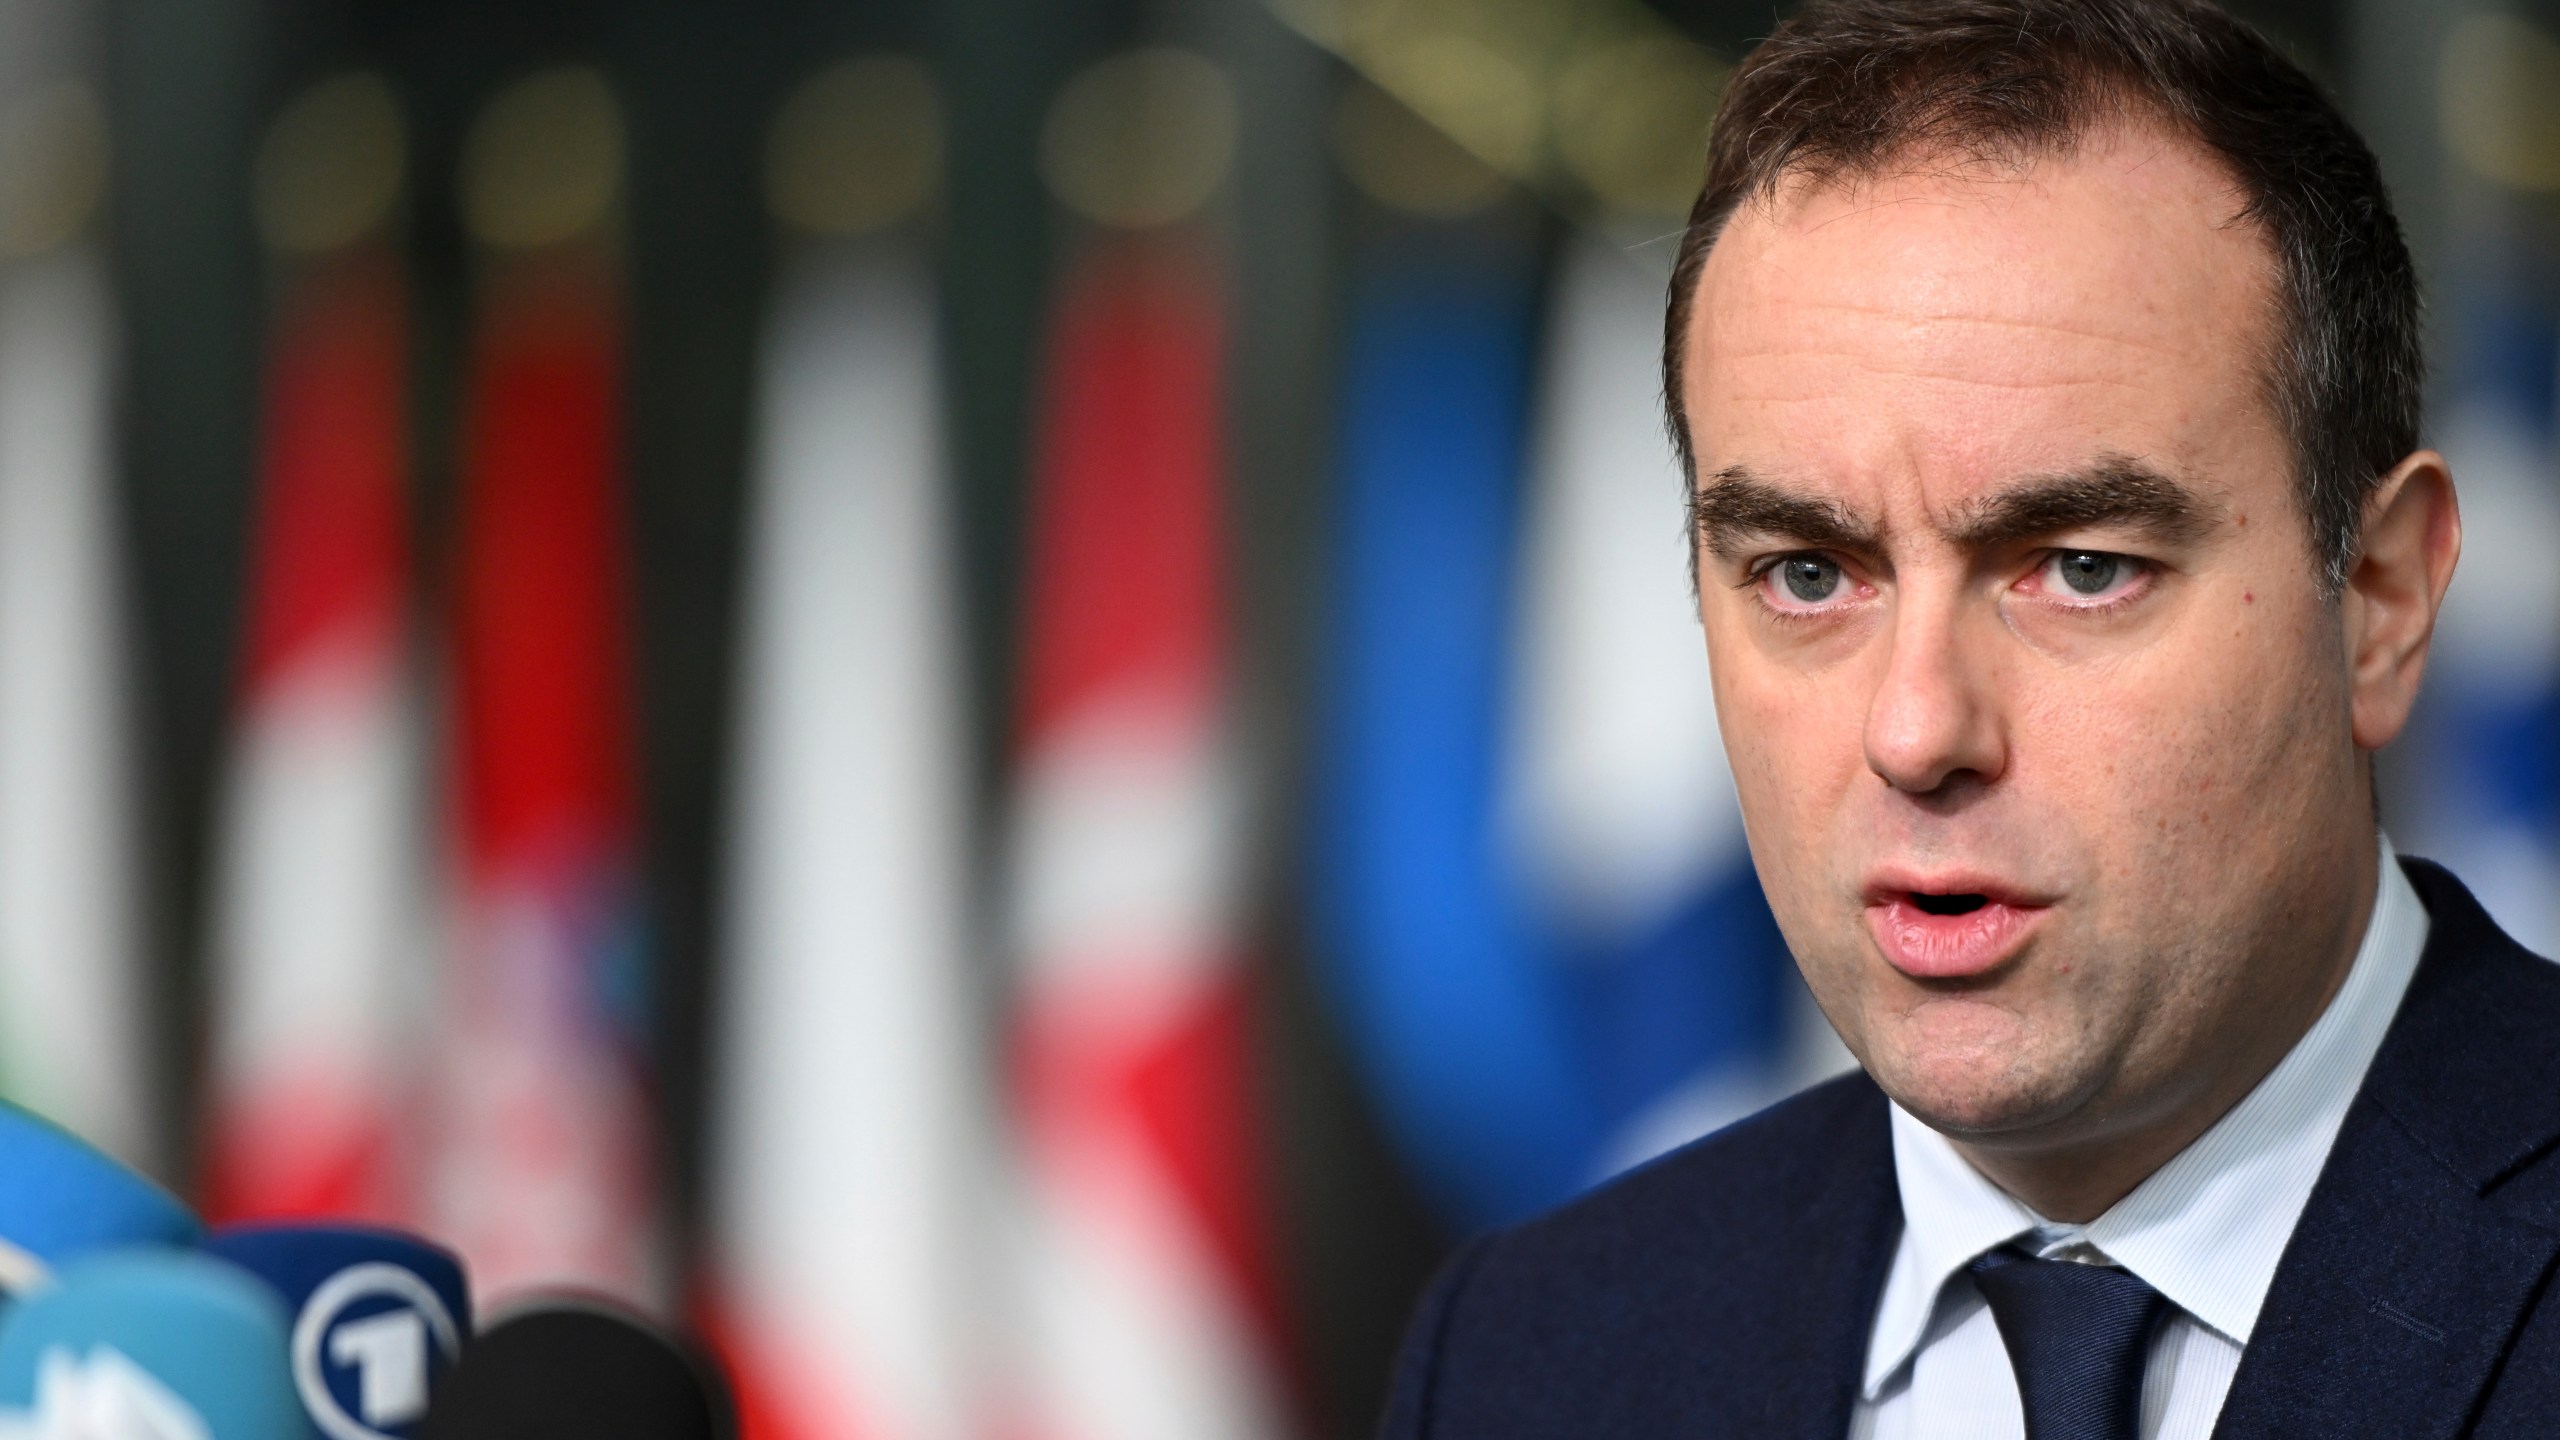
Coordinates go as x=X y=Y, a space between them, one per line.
x=2077 y=1338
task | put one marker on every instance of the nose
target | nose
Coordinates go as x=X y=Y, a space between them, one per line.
x=1935 y=718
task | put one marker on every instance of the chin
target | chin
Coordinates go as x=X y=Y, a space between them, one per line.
x=1983 y=1113
x=1978 y=1085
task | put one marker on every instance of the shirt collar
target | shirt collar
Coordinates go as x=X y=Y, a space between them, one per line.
x=2207 y=1229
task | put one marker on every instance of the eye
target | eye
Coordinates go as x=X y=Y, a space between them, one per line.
x=2089 y=575
x=1810 y=578
x=2087 y=572
x=1802 y=582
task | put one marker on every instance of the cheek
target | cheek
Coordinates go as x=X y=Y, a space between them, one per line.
x=2104 y=753
x=2175 y=762
x=1794 y=743
x=1790 y=739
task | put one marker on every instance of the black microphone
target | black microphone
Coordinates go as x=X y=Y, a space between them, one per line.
x=578 y=1370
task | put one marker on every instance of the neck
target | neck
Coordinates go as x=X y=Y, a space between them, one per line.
x=2076 y=1178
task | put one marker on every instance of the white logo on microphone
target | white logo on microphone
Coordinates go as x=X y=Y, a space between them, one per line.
x=388 y=1351
x=104 y=1396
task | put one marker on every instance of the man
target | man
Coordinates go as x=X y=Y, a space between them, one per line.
x=2047 y=373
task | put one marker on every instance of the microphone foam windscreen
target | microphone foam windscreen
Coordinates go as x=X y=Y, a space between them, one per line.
x=149 y=1345
x=379 y=1317
x=61 y=1198
x=577 y=1372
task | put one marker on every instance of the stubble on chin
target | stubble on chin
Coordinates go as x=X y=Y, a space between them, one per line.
x=2019 y=1058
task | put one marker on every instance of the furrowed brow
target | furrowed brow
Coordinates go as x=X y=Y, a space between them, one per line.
x=2115 y=493
x=1734 y=506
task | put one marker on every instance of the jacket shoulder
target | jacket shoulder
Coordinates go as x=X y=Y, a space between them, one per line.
x=1646 y=1302
x=1749 y=1184
x=2471 y=1065
x=2416 y=1287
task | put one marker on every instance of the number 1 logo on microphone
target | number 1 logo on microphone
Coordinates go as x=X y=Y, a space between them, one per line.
x=364 y=1347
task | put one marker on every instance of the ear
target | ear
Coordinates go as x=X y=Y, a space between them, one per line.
x=2412 y=536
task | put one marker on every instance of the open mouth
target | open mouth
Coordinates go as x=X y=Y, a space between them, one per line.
x=1950 y=934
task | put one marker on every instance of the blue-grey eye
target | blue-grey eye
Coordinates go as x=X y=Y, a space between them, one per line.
x=1810 y=578
x=2090 y=572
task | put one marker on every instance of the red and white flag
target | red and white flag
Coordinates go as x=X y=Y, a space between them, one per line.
x=1150 y=1292
x=318 y=949
x=543 y=1167
x=852 y=1148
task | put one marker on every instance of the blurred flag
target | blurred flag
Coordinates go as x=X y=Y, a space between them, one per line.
x=1620 y=809
x=1436 y=964
x=71 y=996
x=1152 y=1294
x=1537 y=911
x=318 y=915
x=543 y=1166
x=851 y=1125
x=2485 y=749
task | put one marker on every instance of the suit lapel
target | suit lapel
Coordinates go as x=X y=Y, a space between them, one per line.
x=1823 y=1282
x=2423 y=1242
x=1724 y=1293
x=1746 y=1318
x=2395 y=1300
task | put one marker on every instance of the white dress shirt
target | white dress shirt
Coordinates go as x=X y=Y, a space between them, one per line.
x=2205 y=1230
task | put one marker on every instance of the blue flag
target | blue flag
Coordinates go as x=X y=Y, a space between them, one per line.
x=1535 y=908
x=2483 y=755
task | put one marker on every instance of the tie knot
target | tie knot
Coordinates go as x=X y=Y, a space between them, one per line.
x=2077 y=1337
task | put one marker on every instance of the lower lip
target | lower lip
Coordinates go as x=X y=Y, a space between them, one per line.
x=1949 y=947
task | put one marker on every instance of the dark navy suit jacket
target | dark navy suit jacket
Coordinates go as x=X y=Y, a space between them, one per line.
x=1728 y=1288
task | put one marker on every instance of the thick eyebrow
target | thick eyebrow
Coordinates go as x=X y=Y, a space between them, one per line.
x=2116 y=492
x=1734 y=505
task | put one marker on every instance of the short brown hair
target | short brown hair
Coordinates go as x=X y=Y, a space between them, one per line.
x=1848 y=87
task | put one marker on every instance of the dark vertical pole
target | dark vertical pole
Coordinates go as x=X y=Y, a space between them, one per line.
x=185 y=81
x=1356 y=1243
x=2391 y=93
x=1000 y=61
x=698 y=83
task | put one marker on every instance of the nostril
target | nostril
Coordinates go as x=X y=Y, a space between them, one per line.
x=1948 y=904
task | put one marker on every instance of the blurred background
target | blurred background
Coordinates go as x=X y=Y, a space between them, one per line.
x=994 y=697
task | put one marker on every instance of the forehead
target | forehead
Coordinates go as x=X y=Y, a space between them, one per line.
x=1961 y=324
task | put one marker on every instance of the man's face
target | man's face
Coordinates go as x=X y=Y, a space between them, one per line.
x=2039 y=715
